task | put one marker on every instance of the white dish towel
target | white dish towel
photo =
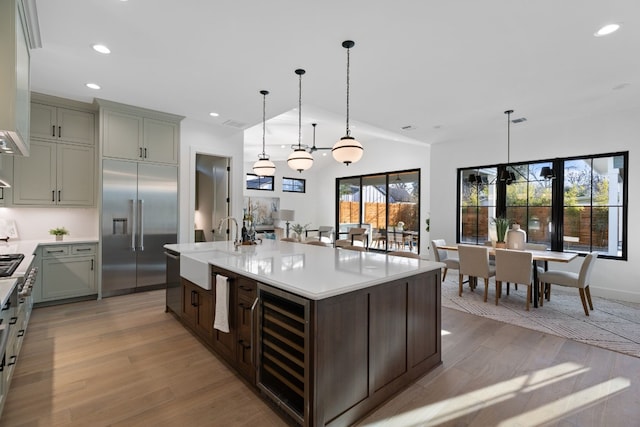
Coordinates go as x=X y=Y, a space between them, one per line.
x=221 y=319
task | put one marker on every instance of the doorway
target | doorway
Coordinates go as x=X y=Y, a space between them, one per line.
x=211 y=197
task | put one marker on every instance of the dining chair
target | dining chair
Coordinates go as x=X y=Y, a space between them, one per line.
x=355 y=234
x=316 y=243
x=288 y=239
x=404 y=254
x=442 y=255
x=514 y=266
x=474 y=262
x=578 y=280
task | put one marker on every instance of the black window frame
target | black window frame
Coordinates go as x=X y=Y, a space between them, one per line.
x=301 y=181
x=261 y=180
x=557 y=199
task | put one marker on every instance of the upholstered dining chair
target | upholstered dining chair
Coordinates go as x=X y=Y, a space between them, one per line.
x=288 y=239
x=578 y=280
x=441 y=255
x=404 y=254
x=514 y=266
x=474 y=262
x=316 y=243
x=355 y=234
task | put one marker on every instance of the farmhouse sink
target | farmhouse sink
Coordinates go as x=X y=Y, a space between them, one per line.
x=194 y=266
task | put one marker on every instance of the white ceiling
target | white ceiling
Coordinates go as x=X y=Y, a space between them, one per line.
x=447 y=68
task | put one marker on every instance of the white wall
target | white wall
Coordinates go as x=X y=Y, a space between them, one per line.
x=199 y=137
x=603 y=133
x=35 y=223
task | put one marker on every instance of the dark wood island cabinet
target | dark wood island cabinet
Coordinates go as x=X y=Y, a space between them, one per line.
x=326 y=361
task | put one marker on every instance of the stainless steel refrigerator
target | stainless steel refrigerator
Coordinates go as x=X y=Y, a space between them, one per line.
x=139 y=216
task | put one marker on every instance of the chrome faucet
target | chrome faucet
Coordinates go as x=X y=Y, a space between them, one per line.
x=236 y=242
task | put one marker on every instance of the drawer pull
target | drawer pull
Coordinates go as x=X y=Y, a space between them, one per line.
x=12 y=360
x=20 y=333
x=13 y=321
x=245 y=288
x=83 y=249
x=244 y=344
x=54 y=252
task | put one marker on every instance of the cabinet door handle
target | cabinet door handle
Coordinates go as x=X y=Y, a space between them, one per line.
x=91 y=265
x=244 y=307
x=140 y=153
x=244 y=344
x=13 y=321
x=253 y=309
x=20 y=333
x=145 y=153
x=53 y=195
x=59 y=131
x=53 y=130
x=59 y=195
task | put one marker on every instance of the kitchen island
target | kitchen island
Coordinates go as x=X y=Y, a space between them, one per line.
x=326 y=334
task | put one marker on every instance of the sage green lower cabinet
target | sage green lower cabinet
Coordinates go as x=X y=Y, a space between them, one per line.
x=67 y=271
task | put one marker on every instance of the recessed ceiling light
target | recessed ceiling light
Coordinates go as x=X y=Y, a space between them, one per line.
x=212 y=114
x=283 y=146
x=93 y=86
x=607 y=29
x=100 y=48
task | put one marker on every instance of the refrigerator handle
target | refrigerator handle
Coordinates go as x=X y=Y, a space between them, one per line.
x=141 y=215
x=134 y=225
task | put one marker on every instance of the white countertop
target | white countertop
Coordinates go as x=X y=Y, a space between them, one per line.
x=314 y=272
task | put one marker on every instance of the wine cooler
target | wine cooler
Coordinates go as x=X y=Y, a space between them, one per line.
x=283 y=351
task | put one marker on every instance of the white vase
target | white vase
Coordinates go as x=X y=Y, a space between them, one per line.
x=516 y=237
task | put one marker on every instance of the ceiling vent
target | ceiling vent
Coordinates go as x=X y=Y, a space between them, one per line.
x=234 y=124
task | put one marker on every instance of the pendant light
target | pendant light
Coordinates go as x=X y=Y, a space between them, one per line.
x=547 y=173
x=264 y=166
x=505 y=175
x=300 y=159
x=347 y=150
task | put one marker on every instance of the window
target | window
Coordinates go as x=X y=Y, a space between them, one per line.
x=387 y=204
x=293 y=185
x=255 y=182
x=582 y=209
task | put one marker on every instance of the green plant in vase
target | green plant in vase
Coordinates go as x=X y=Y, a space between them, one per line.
x=58 y=232
x=502 y=225
x=299 y=229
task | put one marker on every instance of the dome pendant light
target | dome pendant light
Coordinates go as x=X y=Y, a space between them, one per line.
x=300 y=159
x=505 y=175
x=347 y=150
x=264 y=166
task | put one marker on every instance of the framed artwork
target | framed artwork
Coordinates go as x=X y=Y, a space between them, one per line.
x=261 y=210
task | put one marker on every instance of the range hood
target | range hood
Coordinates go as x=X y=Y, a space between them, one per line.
x=18 y=34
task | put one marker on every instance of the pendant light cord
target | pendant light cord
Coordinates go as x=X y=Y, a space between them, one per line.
x=264 y=117
x=348 y=54
x=300 y=109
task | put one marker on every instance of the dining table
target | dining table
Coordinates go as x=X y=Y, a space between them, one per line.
x=538 y=256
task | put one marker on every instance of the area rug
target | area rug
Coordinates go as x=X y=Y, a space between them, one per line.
x=614 y=325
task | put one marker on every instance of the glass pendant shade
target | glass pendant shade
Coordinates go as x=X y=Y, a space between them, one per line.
x=347 y=150
x=264 y=167
x=300 y=160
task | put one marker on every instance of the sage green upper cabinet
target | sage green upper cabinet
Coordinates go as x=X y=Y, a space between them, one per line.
x=55 y=174
x=138 y=134
x=14 y=76
x=62 y=124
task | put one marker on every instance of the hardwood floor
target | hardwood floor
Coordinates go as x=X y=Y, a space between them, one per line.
x=123 y=361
